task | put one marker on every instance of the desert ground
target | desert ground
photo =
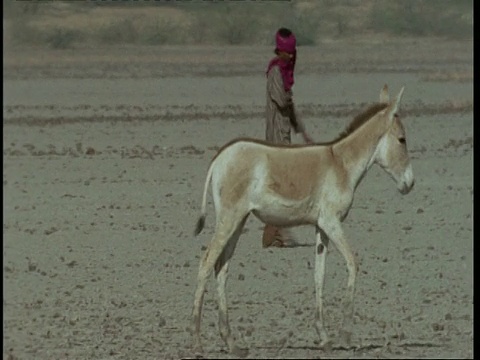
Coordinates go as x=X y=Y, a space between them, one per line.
x=105 y=152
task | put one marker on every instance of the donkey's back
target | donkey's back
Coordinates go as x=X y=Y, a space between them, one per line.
x=280 y=184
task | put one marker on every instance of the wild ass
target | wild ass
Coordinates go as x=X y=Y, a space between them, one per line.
x=295 y=185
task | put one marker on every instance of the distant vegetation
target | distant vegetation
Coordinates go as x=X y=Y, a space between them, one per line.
x=449 y=18
x=61 y=25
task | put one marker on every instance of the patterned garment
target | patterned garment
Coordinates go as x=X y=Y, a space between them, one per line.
x=280 y=111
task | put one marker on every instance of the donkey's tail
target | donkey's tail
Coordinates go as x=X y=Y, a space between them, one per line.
x=203 y=214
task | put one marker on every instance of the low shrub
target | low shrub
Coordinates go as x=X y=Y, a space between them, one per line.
x=119 y=31
x=421 y=18
x=59 y=38
x=162 y=32
x=236 y=24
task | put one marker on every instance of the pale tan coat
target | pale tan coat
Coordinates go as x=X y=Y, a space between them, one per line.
x=280 y=111
x=290 y=185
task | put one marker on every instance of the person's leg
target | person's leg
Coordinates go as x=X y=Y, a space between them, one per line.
x=269 y=235
x=278 y=237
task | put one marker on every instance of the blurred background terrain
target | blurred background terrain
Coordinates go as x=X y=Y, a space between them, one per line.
x=63 y=25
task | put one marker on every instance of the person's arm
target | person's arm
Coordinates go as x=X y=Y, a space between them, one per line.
x=298 y=125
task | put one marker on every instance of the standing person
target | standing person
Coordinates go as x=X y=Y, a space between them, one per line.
x=280 y=112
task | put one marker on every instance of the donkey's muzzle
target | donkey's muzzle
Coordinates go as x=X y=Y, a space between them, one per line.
x=406 y=181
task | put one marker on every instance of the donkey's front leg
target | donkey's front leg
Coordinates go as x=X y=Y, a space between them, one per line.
x=320 y=258
x=334 y=232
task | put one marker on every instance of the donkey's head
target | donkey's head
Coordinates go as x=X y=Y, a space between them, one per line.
x=392 y=153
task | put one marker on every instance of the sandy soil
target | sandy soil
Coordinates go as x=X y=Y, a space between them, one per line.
x=105 y=153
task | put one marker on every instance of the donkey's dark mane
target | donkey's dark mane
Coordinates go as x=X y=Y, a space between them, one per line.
x=357 y=121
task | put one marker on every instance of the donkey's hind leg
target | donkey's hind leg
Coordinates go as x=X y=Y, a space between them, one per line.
x=224 y=229
x=221 y=270
x=210 y=255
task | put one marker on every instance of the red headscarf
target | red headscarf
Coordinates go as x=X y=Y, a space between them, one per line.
x=287 y=67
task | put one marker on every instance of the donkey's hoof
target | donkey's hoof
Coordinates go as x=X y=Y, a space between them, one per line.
x=239 y=352
x=345 y=337
x=326 y=345
x=198 y=350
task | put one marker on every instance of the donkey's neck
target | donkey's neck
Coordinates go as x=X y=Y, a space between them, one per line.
x=357 y=150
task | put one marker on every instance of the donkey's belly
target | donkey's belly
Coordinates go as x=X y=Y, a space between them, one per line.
x=285 y=214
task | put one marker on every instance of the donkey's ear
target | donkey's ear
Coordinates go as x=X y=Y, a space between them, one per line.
x=395 y=105
x=384 y=98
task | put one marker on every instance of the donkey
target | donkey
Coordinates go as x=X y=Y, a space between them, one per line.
x=291 y=185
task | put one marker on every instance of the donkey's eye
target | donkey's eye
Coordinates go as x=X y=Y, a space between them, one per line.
x=402 y=140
